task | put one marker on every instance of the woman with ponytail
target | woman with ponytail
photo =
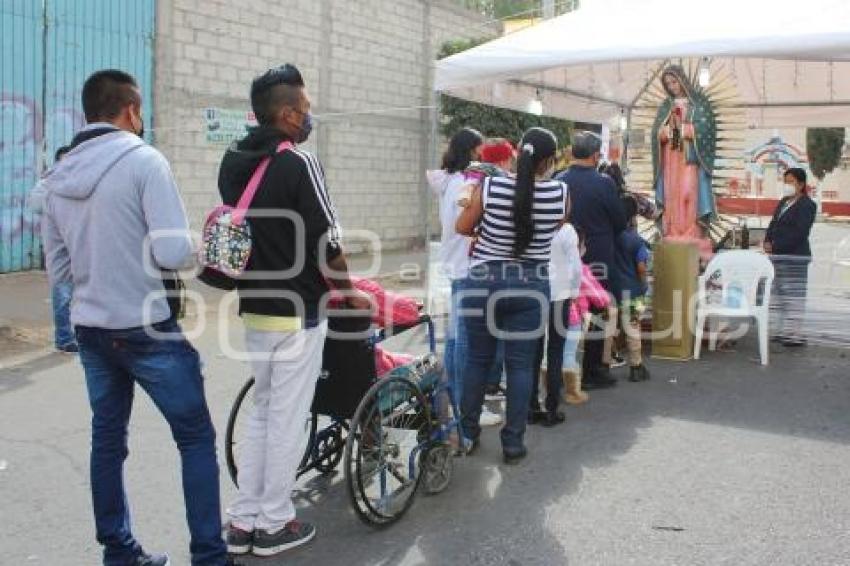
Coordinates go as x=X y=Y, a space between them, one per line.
x=506 y=296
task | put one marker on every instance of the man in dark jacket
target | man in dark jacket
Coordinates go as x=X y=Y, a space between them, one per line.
x=295 y=252
x=596 y=210
x=787 y=240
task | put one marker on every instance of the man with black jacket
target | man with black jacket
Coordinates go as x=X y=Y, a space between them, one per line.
x=295 y=253
x=597 y=211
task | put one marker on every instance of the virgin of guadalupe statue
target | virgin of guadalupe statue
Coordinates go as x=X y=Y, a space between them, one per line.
x=684 y=138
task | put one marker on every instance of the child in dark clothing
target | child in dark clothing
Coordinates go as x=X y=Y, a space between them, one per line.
x=632 y=257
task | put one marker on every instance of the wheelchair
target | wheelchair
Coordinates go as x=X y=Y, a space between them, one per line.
x=391 y=432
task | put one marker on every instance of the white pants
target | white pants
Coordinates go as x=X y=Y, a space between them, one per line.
x=286 y=366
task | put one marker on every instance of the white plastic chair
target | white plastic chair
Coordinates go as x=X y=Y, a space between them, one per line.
x=742 y=274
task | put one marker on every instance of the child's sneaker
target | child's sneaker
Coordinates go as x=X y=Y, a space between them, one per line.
x=489 y=418
x=294 y=534
x=239 y=541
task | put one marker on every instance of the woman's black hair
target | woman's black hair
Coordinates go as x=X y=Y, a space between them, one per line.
x=613 y=170
x=581 y=235
x=536 y=145
x=798 y=173
x=459 y=154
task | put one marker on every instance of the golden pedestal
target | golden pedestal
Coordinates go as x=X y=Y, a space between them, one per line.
x=675 y=270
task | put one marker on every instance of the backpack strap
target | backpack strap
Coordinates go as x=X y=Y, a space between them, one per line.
x=238 y=214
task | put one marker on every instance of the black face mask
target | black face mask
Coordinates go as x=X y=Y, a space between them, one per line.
x=306 y=128
x=141 y=132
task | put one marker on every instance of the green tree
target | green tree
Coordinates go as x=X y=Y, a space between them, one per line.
x=490 y=120
x=503 y=9
x=824 y=146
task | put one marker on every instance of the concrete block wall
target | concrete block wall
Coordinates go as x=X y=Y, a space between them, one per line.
x=368 y=68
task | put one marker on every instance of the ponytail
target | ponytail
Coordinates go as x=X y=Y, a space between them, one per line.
x=524 y=200
x=537 y=145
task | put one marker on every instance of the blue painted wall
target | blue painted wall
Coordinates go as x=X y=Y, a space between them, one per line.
x=49 y=47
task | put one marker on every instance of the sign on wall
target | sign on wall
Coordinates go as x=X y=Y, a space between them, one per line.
x=224 y=126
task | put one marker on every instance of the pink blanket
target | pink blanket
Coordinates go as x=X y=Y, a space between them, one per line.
x=591 y=294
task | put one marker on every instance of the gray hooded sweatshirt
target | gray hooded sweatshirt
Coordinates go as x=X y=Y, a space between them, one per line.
x=113 y=220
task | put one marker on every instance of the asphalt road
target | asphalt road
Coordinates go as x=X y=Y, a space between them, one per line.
x=713 y=462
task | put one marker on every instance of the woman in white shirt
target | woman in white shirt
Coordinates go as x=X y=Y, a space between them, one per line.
x=449 y=184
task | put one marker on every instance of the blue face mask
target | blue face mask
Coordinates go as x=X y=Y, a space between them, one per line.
x=306 y=128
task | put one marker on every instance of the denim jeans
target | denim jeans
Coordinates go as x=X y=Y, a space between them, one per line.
x=494 y=376
x=63 y=332
x=168 y=369
x=456 y=343
x=553 y=345
x=571 y=347
x=505 y=301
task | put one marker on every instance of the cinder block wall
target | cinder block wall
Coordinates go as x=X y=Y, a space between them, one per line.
x=368 y=67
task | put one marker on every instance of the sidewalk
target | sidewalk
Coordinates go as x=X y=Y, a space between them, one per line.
x=26 y=316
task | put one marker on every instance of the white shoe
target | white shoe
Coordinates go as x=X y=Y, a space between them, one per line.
x=489 y=418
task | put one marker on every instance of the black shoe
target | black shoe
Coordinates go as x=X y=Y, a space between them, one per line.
x=553 y=419
x=71 y=348
x=145 y=559
x=536 y=416
x=638 y=373
x=239 y=541
x=294 y=534
x=515 y=455
x=793 y=343
x=598 y=379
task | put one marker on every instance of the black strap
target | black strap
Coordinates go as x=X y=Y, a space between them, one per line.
x=87 y=135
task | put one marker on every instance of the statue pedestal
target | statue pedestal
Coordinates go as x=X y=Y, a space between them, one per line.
x=675 y=271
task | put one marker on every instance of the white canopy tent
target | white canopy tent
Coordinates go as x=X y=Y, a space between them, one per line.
x=790 y=59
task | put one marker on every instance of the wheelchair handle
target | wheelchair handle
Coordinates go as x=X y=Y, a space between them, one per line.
x=397 y=329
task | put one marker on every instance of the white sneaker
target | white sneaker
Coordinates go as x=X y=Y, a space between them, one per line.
x=489 y=418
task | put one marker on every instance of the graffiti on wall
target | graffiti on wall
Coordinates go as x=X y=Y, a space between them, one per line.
x=25 y=152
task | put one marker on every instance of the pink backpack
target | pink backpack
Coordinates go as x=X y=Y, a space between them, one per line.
x=226 y=239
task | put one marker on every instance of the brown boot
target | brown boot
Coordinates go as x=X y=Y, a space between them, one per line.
x=572 y=388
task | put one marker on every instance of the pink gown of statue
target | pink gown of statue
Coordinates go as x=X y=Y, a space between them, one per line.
x=681 y=185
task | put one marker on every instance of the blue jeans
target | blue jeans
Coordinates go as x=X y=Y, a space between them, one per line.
x=63 y=332
x=505 y=301
x=168 y=369
x=571 y=347
x=456 y=343
x=494 y=376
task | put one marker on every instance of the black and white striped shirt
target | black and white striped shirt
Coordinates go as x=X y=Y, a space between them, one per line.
x=497 y=233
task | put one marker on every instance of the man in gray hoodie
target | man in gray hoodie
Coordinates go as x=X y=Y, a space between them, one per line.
x=113 y=221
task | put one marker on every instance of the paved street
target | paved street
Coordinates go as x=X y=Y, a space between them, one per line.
x=713 y=462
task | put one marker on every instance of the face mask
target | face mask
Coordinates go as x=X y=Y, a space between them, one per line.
x=141 y=130
x=788 y=190
x=305 y=128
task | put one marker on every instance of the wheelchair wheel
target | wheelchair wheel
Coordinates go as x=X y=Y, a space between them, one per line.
x=235 y=431
x=438 y=468
x=388 y=442
x=329 y=446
